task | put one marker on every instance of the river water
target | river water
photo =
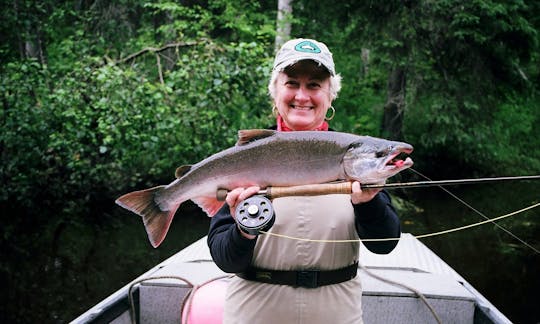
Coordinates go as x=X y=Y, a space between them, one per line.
x=500 y=267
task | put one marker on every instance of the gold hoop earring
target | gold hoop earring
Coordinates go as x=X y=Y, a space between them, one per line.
x=333 y=114
x=274 y=111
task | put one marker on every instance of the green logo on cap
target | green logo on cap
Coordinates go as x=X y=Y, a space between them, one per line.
x=307 y=47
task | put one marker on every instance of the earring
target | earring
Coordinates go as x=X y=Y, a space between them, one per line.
x=333 y=114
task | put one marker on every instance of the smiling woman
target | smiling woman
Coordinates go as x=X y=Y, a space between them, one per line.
x=300 y=278
x=303 y=85
x=303 y=96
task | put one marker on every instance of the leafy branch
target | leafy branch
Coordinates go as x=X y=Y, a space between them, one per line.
x=156 y=51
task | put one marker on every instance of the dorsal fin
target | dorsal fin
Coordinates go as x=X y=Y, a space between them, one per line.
x=249 y=135
x=181 y=170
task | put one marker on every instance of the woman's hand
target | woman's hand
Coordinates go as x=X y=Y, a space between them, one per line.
x=237 y=195
x=360 y=196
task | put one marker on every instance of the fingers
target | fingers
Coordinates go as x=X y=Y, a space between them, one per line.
x=356 y=187
x=360 y=196
x=237 y=195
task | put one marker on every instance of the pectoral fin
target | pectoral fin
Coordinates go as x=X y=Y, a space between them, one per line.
x=210 y=205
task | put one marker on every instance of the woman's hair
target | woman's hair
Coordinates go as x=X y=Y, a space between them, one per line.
x=335 y=85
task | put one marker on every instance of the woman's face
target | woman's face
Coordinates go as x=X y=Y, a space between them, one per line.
x=302 y=95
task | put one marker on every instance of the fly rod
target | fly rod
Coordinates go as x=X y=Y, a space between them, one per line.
x=346 y=186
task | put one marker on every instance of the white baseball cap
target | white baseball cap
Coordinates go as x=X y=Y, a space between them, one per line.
x=304 y=49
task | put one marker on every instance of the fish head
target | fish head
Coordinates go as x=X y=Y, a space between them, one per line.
x=371 y=160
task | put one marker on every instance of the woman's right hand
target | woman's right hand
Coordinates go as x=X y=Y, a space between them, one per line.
x=237 y=195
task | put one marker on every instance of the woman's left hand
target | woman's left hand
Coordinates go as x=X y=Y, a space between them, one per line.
x=360 y=196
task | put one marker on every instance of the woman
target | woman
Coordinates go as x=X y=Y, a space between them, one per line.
x=290 y=281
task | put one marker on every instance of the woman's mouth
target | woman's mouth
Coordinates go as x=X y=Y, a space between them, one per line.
x=301 y=107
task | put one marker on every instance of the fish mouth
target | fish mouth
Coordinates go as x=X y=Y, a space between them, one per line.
x=399 y=159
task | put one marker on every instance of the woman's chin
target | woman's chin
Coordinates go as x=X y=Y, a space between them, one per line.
x=299 y=126
x=301 y=122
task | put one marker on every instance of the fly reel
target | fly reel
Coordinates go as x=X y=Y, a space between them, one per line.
x=255 y=214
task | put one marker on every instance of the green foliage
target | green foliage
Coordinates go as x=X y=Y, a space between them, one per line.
x=515 y=134
x=84 y=128
x=500 y=144
x=239 y=21
x=469 y=65
x=111 y=127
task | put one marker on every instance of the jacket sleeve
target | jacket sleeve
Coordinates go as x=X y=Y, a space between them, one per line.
x=378 y=219
x=230 y=251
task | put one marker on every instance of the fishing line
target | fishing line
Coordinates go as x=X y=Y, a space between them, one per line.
x=478 y=212
x=489 y=220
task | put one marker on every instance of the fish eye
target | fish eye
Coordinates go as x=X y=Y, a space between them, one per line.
x=355 y=145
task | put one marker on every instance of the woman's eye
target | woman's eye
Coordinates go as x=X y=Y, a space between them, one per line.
x=291 y=84
x=314 y=85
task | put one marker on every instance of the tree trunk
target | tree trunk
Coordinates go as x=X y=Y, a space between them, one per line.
x=365 y=62
x=30 y=36
x=394 y=109
x=283 y=22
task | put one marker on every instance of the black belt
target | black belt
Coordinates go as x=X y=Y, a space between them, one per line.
x=303 y=278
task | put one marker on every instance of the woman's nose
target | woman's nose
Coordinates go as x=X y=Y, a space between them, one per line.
x=301 y=94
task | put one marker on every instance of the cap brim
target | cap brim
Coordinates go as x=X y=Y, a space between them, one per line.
x=282 y=65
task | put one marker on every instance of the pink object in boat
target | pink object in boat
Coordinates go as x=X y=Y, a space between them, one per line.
x=206 y=304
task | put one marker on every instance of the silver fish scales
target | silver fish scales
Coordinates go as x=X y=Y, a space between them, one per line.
x=268 y=158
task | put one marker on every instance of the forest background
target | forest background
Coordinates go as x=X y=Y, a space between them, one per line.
x=100 y=98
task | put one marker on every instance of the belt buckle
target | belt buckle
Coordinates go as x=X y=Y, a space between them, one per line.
x=307 y=278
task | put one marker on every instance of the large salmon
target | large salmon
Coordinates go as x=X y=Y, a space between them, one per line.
x=267 y=158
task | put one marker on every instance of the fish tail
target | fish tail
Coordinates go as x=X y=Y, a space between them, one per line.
x=156 y=221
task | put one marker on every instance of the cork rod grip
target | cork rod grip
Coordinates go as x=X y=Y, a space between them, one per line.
x=304 y=190
x=310 y=190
